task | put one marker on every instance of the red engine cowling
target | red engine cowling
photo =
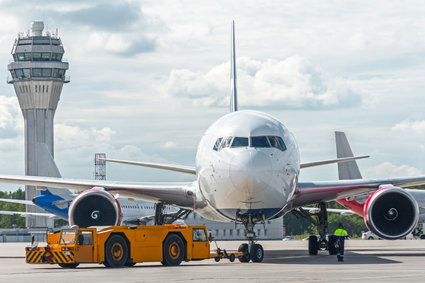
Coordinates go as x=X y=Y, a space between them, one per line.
x=391 y=213
x=95 y=207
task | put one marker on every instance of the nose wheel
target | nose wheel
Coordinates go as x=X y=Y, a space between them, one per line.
x=255 y=253
x=251 y=251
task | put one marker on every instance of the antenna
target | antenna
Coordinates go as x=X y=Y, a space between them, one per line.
x=234 y=97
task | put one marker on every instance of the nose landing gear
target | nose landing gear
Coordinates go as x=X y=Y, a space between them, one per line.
x=250 y=251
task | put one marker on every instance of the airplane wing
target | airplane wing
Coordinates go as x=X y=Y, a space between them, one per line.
x=23 y=213
x=178 y=168
x=338 y=160
x=20 y=201
x=313 y=192
x=181 y=194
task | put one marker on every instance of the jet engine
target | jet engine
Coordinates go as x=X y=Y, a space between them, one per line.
x=391 y=213
x=95 y=207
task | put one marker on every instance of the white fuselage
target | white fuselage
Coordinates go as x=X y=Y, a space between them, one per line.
x=239 y=174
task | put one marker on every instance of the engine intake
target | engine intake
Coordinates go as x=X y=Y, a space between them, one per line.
x=391 y=213
x=95 y=207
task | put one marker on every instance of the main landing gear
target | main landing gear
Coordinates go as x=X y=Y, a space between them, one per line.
x=251 y=250
x=323 y=241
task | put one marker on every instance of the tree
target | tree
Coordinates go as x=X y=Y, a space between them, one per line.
x=9 y=221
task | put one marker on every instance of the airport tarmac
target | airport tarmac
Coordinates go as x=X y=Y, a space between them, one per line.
x=285 y=261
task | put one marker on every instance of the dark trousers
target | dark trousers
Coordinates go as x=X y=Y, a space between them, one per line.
x=341 y=241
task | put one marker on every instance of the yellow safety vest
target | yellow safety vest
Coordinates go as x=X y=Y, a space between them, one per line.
x=340 y=232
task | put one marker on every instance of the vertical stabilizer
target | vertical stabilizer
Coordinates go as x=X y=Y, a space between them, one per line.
x=234 y=97
x=346 y=170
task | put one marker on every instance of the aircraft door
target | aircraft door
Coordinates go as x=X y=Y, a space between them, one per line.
x=84 y=248
x=200 y=244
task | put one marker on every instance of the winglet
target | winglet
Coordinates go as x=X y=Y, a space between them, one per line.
x=234 y=97
x=347 y=170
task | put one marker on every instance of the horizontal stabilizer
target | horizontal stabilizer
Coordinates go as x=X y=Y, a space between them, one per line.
x=178 y=168
x=338 y=160
x=24 y=214
x=20 y=201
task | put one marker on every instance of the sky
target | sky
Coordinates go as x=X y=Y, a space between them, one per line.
x=149 y=77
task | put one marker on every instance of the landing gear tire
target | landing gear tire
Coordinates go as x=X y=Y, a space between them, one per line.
x=116 y=251
x=173 y=250
x=257 y=253
x=313 y=245
x=68 y=265
x=331 y=245
x=245 y=257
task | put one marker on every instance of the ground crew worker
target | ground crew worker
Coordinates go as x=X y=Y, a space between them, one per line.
x=341 y=235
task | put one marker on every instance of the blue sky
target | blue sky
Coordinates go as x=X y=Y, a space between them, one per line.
x=149 y=77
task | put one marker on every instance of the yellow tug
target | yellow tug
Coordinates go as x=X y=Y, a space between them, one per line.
x=118 y=246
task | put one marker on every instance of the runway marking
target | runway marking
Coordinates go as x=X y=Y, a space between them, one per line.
x=359 y=278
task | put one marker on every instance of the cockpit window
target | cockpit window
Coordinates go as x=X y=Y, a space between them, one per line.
x=226 y=142
x=240 y=142
x=277 y=142
x=259 y=142
x=217 y=144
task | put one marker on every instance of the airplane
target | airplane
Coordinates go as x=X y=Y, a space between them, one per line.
x=247 y=171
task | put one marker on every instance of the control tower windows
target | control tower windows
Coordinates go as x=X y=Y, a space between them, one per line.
x=27 y=73
x=56 y=56
x=19 y=73
x=36 y=56
x=45 y=56
x=260 y=141
x=36 y=72
x=20 y=56
x=46 y=72
x=61 y=73
x=55 y=73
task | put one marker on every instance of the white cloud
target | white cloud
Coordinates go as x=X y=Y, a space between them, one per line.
x=389 y=170
x=10 y=114
x=417 y=127
x=169 y=144
x=290 y=83
x=73 y=136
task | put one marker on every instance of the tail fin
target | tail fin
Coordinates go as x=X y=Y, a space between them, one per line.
x=346 y=170
x=234 y=97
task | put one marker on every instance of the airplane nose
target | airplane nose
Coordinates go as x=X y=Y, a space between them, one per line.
x=250 y=172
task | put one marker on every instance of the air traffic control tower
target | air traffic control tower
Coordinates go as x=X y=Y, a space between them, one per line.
x=38 y=74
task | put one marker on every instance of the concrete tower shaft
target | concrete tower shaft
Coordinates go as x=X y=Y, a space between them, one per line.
x=38 y=74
